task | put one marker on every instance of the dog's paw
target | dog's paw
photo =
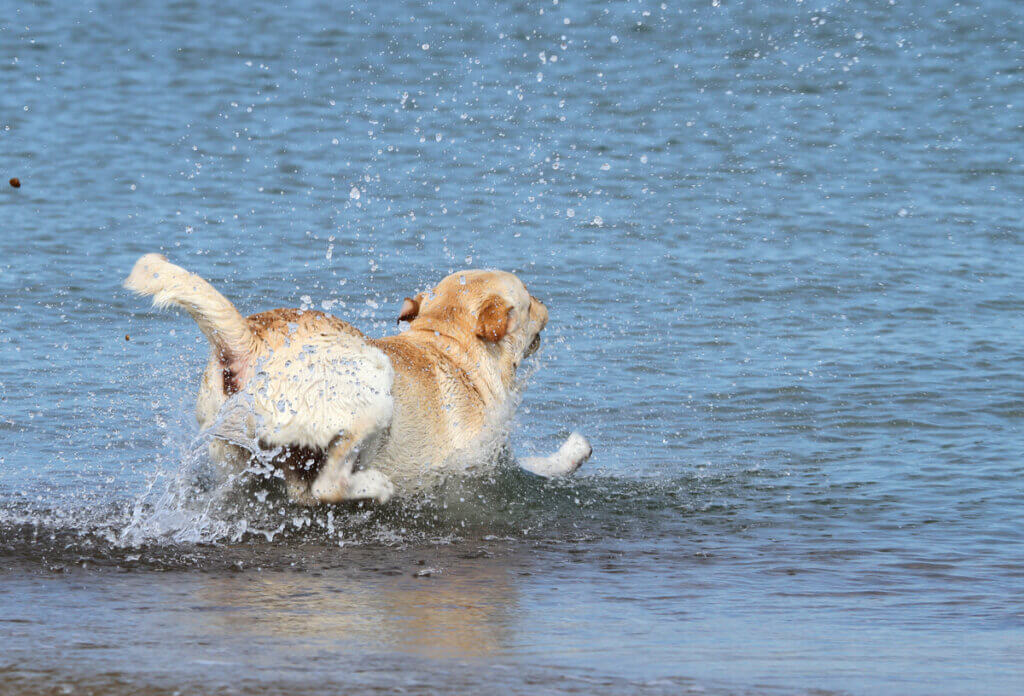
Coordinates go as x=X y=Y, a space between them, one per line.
x=576 y=449
x=370 y=484
x=569 y=457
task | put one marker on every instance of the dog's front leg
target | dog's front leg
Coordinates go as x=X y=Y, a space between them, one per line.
x=337 y=481
x=569 y=457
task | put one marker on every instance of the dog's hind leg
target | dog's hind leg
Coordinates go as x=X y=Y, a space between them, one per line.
x=337 y=480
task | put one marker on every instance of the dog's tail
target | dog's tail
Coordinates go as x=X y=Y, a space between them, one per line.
x=172 y=286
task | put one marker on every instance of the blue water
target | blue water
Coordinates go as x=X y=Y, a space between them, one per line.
x=782 y=248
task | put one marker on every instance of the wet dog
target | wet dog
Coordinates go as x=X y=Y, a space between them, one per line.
x=346 y=417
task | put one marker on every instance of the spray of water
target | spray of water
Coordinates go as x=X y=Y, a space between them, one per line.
x=196 y=501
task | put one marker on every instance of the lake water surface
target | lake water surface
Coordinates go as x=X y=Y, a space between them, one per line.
x=782 y=247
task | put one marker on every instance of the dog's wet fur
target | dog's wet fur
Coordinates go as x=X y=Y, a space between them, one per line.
x=344 y=416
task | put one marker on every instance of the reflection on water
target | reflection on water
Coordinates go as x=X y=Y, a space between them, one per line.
x=438 y=616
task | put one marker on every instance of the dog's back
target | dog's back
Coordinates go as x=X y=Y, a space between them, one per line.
x=316 y=377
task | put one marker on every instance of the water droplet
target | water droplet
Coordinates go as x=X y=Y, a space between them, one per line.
x=354 y=193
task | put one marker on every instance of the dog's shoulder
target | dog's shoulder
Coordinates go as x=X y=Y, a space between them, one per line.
x=440 y=372
x=408 y=354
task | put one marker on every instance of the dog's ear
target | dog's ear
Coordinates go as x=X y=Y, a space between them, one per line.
x=410 y=309
x=494 y=319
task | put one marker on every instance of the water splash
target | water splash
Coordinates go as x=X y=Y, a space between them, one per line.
x=197 y=501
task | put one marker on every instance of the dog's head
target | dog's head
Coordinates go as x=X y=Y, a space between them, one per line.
x=491 y=310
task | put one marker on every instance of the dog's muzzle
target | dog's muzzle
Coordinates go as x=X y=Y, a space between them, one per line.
x=532 y=348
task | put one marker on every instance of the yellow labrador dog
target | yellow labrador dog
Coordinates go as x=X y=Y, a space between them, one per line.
x=345 y=417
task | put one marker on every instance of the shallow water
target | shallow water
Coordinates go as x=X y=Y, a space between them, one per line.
x=781 y=246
